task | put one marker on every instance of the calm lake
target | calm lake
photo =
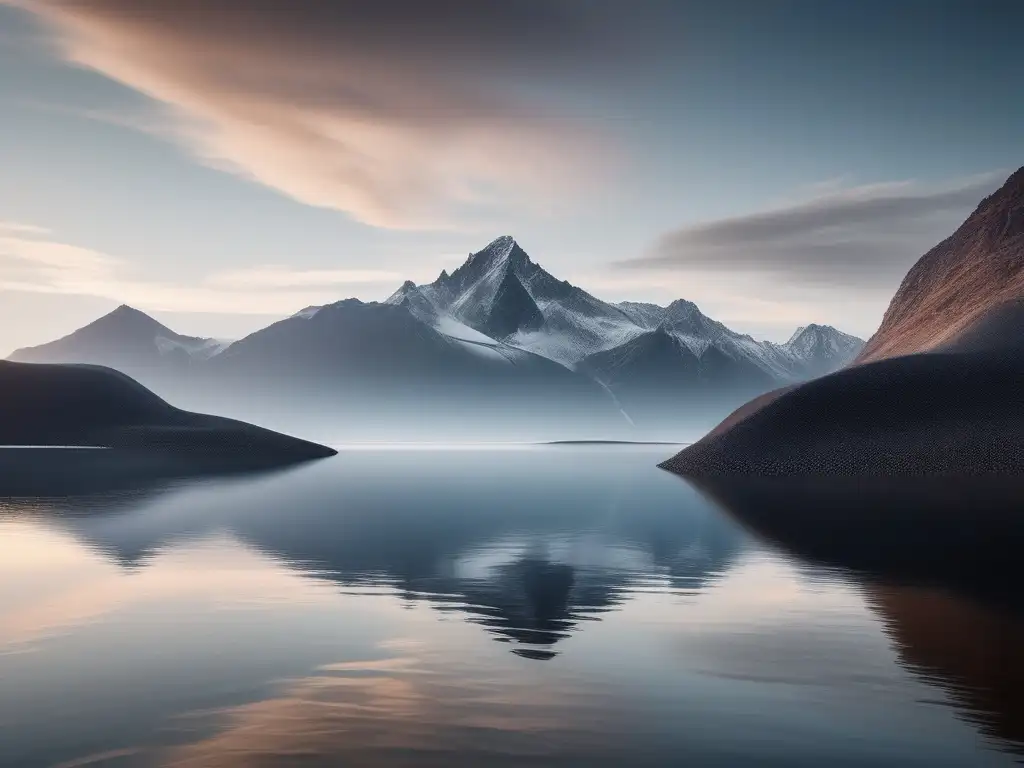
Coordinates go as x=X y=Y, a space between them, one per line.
x=485 y=606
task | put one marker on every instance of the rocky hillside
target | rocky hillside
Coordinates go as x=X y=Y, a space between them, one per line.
x=967 y=275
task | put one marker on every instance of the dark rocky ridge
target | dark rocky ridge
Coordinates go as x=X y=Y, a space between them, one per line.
x=916 y=415
x=975 y=270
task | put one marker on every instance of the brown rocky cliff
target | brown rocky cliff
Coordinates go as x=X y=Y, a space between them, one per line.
x=977 y=268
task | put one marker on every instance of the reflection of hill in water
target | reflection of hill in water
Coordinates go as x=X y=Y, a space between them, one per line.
x=77 y=481
x=940 y=566
x=974 y=653
x=101 y=502
x=965 y=535
x=527 y=544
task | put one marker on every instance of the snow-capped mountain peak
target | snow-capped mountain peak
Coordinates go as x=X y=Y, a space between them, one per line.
x=500 y=292
x=822 y=347
x=811 y=335
x=498 y=249
x=487 y=292
x=496 y=256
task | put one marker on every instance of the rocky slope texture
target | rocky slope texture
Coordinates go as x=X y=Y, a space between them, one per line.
x=81 y=405
x=960 y=281
x=938 y=390
x=499 y=347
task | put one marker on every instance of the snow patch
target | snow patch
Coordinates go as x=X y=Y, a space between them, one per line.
x=198 y=349
x=451 y=327
x=307 y=313
x=482 y=350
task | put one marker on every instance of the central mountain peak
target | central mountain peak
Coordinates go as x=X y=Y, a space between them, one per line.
x=501 y=252
x=488 y=292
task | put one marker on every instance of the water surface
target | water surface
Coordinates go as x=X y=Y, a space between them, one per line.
x=538 y=605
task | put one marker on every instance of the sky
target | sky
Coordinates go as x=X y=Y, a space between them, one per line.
x=221 y=164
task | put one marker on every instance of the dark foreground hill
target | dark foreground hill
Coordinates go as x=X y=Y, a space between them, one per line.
x=940 y=390
x=81 y=405
x=916 y=415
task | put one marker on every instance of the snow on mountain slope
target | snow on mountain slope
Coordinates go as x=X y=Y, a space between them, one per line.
x=685 y=321
x=415 y=299
x=456 y=330
x=644 y=314
x=823 y=342
x=500 y=292
x=568 y=336
x=821 y=349
x=197 y=349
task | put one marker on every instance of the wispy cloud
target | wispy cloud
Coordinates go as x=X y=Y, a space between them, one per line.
x=32 y=261
x=860 y=237
x=21 y=230
x=274 y=276
x=401 y=113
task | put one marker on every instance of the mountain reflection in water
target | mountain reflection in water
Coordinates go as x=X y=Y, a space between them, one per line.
x=527 y=561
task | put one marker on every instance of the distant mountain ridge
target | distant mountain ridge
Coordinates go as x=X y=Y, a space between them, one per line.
x=498 y=340
x=125 y=336
x=822 y=348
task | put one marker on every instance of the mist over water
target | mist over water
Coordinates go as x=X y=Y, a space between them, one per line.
x=404 y=411
x=499 y=605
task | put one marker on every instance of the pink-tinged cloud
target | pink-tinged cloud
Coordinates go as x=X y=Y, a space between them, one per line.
x=402 y=113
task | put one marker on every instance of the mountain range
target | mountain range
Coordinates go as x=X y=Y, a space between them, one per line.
x=499 y=347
